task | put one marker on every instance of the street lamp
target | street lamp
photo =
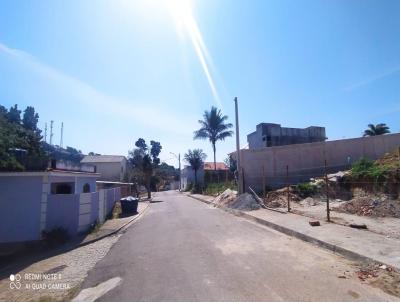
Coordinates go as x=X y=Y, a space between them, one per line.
x=178 y=157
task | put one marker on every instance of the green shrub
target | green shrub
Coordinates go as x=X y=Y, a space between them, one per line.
x=197 y=189
x=56 y=236
x=367 y=169
x=94 y=227
x=189 y=187
x=306 y=189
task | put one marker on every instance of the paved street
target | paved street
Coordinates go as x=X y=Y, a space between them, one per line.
x=185 y=250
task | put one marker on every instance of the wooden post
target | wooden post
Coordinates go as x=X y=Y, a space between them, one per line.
x=263 y=181
x=328 y=214
x=243 y=182
x=287 y=188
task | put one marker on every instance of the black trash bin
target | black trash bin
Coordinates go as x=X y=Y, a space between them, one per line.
x=129 y=205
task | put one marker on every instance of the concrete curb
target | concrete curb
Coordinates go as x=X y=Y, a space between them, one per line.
x=329 y=246
x=117 y=230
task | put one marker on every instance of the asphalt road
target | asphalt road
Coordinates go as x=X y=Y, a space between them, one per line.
x=185 y=250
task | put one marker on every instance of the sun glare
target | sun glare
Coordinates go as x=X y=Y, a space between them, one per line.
x=182 y=14
x=181 y=10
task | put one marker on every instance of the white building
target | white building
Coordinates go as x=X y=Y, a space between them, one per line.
x=110 y=167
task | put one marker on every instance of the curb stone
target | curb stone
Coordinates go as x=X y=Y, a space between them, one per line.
x=114 y=232
x=329 y=246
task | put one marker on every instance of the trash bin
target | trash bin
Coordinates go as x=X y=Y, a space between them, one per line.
x=129 y=205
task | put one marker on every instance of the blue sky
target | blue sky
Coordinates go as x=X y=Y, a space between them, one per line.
x=114 y=71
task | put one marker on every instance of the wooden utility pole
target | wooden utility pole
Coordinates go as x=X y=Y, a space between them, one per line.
x=238 y=167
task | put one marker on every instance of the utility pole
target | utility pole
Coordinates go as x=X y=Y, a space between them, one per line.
x=180 y=172
x=239 y=174
x=62 y=132
x=45 y=132
x=51 y=132
x=180 y=180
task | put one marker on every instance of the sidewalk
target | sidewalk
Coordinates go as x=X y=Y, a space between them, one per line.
x=70 y=263
x=356 y=244
x=113 y=226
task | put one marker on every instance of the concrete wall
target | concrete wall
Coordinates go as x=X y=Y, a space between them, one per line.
x=187 y=176
x=77 y=212
x=20 y=208
x=63 y=211
x=307 y=160
x=79 y=181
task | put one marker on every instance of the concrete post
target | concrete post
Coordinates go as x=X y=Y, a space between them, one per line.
x=238 y=167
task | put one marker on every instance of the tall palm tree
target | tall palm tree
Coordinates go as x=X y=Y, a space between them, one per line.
x=377 y=129
x=213 y=128
x=195 y=158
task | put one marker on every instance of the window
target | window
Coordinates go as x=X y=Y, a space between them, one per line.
x=86 y=188
x=62 y=188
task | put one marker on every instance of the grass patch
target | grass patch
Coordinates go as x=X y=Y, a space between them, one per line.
x=217 y=188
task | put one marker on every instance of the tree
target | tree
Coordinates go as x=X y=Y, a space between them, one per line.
x=30 y=119
x=14 y=115
x=3 y=111
x=377 y=129
x=213 y=128
x=195 y=158
x=20 y=143
x=231 y=163
x=93 y=153
x=143 y=161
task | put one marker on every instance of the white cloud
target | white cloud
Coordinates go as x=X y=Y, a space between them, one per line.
x=148 y=113
x=373 y=78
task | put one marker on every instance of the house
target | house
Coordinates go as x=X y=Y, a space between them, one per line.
x=205 y=174
x=61 y=196
x=270 y=135
x=33 y=202
x=209 y=166
x=110 y=167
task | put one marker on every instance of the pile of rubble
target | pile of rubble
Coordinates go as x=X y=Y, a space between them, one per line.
x=278 y=198
x=371 y=205
x=391 y=159
x=229 y=198
x=225 y=198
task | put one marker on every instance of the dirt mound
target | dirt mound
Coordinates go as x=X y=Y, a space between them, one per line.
x=309 y=201
x=245 y=202
x=374 y=206
x=225 y=198
x=278 y=198
x=391 y=159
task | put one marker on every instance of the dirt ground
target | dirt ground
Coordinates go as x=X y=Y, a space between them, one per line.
x=380 y=276
x=377 y=211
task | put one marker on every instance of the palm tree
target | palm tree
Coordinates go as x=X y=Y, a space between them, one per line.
x=195 y=158
x=377 y=129
x=213 y=128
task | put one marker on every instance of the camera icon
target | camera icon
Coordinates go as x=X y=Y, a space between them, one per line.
x=15 y=281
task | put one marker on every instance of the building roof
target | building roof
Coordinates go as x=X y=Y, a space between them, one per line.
x=210 y=166
x=103 y=159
